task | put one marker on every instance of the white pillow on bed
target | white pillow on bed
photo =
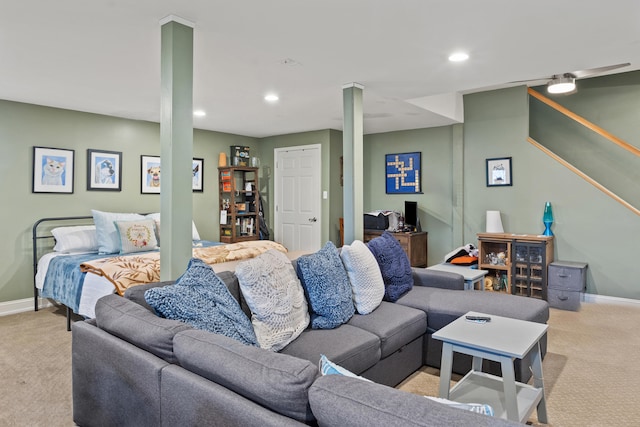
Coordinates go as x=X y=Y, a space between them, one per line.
x=156 y=217
x=108 y=240
x=78 y=238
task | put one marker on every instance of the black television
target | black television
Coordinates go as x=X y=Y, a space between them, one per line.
x=411 y=220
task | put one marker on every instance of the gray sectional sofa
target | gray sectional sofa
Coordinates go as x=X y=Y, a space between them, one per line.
x=131 y=367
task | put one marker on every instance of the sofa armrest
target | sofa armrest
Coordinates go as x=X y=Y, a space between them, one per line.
x=437 y=279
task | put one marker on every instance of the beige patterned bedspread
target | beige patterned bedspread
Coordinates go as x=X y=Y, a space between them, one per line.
x=129 y=270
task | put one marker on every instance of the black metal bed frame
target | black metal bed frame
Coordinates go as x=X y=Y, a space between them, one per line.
x=37 y=235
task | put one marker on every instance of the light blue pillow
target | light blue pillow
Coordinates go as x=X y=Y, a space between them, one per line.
x=327 y=367
x=108 y=240
x=202 y=300
x=394 y=266
x=327 y=287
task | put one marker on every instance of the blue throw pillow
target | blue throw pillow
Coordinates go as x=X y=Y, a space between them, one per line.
x=202 y=300
x=327 y=287
x=394 y=266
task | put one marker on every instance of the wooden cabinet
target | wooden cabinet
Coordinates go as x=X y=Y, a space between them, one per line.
x=238 y=203
x=517 y=263
x=413 y=243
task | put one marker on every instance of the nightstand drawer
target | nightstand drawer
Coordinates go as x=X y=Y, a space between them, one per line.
x=566 y=275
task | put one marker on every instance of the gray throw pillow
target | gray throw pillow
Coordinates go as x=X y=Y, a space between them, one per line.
x=273 y=292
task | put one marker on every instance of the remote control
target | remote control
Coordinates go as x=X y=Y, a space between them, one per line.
x=481 y=318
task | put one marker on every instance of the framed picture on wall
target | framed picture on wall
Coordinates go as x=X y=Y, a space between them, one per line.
x=499 y=172
x=403 y=173
x=104 y=170
x=198 y=172
x=150 y=174
x=52 y=170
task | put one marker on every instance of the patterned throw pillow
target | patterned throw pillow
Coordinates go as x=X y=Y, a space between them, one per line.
x=136 y=236
x=273 y=292
x=394 y=266
x=327 y=287
x=327 y=367
x=364 y=274
x=200 y=299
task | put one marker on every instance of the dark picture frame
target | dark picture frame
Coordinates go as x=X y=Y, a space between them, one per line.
x=104 y=170
x=499 y=172
x=150 y=174
x=403 y=173
x=52 y=170
x=197 y=170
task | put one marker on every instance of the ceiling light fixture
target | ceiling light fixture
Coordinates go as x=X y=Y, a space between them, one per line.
x=199 y=113
x=271 y=97
x=458 y=57
x=564 y=84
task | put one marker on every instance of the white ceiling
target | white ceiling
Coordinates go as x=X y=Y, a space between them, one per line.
x=103 y=56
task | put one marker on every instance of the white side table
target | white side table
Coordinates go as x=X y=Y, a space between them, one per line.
x=472 y=276
x=502 y=339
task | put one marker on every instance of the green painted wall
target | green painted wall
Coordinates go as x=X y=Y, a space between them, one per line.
x=23 y=126
x=589 y=226
x=435 y=204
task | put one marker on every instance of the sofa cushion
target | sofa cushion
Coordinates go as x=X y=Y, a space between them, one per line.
x=276 y=381
x=394 y=324
x=364 y=275
x=349 y=402
x=138 y=326
x=200 y=299
x=353 y=348
x=273 y=292
x=394 y=266
x=443 y=306
x=326 y=286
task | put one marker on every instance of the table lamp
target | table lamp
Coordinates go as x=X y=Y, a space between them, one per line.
x=494 y=222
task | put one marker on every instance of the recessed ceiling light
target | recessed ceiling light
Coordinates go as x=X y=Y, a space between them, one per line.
x=199 y=113
x=272 y=97
x=458 y=57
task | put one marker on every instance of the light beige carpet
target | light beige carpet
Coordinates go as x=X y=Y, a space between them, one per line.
x=591 y=373
x=592 y=377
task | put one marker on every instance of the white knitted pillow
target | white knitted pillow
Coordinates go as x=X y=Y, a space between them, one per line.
x=364 y=274
x=275 y=296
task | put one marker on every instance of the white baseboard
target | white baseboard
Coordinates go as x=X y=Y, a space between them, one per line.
x=604 y=299
x=21 y=305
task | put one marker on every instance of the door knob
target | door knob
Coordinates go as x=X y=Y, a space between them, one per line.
x=314 y=219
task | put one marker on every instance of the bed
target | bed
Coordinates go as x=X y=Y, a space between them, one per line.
x=69 y=268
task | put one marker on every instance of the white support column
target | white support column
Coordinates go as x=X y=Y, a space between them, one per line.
x=176 y=140
x=352 y=151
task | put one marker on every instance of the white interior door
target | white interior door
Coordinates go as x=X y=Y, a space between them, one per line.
x=298 y=189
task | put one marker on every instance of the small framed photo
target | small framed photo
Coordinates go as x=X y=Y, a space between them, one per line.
x=52 y=170
x=499 y=172
x=198 y=172
x=150 y=174
x=403 y=173
x=104 y=170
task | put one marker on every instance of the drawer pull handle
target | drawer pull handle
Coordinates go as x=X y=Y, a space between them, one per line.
x=563 y=298
x=563 y=275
